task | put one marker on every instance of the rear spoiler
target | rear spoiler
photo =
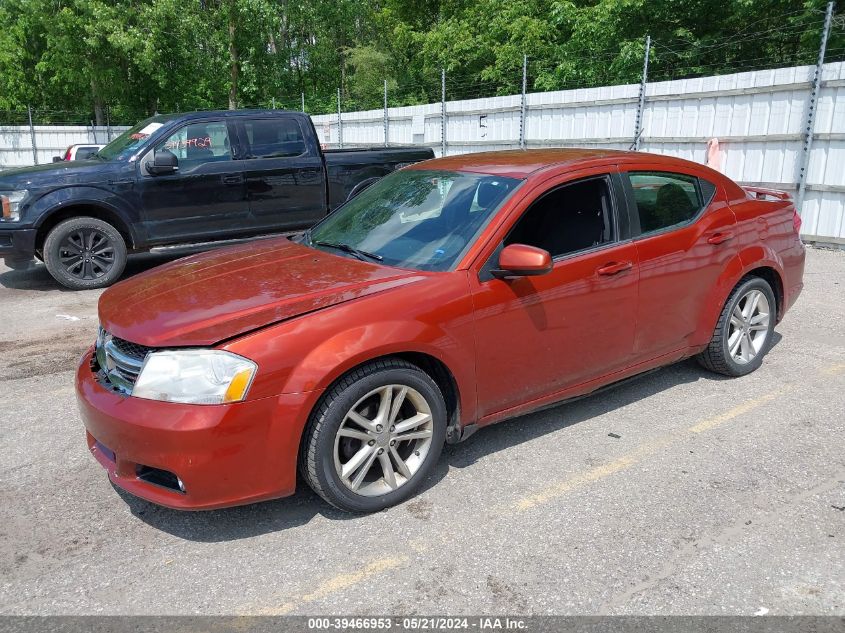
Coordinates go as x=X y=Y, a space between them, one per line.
x=761 y=193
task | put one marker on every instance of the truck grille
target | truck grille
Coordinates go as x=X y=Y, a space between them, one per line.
x=119 y=361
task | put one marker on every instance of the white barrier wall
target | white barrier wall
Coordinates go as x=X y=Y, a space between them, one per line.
x=758 y=117
x=50 y=140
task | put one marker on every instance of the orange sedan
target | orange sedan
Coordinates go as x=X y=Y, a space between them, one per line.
x=449 y=295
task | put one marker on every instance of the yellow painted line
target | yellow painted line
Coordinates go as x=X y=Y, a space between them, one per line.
x=833 y=369
x=338 y=583
x=637 y=455
x=738 y=410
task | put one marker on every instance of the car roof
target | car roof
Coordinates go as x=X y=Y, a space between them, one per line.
x=522 y=163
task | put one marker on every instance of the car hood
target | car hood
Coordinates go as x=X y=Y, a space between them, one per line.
x=214 y=296
x=61 y=173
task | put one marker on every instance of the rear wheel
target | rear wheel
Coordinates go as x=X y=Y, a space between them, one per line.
x=375 y=436
x=744 y=331
x=84 y=253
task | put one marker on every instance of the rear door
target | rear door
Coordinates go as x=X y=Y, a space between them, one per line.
x=285 y=176
x=206 y=198
x=683 y=230
x=540 y=335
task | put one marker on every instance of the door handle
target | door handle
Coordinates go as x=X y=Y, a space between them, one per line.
x=719 y=238
x=233 y=179
x=614 y=268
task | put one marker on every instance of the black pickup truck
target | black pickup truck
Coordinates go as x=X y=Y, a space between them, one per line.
x=181 y=181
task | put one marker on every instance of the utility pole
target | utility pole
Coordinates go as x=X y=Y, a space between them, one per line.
x=638 y=129
x=339 y=122
x=522 y=109
x=386 y=121
x=811 y=111
x=442 y=111
x=32 y=136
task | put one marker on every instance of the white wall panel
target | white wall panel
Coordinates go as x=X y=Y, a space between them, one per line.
x=758 y=116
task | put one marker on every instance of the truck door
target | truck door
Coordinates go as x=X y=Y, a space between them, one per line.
x=206 y=198
x=285 y=175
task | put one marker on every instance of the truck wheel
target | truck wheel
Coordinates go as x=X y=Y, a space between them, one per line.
x=374 y=437
x=744 y=330
x=85 y=253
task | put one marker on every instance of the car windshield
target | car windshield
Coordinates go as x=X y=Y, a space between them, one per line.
x=419 y=219
x=125 y=145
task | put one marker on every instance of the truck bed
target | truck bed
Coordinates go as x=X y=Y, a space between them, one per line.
x=349 y=167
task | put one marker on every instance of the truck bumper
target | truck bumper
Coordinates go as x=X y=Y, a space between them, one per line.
x=17 y=247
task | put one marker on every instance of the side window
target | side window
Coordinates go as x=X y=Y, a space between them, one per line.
x=198 y=143
x=568 y=219
x=667 y=199
x=274 y=138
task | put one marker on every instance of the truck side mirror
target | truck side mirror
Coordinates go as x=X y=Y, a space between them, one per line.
x=164 y=162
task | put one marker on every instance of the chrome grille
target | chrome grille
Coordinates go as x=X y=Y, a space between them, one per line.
x=132 y=350
x=119 y=361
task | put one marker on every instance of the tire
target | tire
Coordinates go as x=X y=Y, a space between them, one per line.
x=741 y=340
x=85 y=253
x=333 y=440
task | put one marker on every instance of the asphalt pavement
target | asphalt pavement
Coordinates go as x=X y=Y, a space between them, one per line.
x=680 y=493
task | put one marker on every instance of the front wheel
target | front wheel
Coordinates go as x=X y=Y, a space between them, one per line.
x=744 y=331
x=85 y=253
x=374 y=437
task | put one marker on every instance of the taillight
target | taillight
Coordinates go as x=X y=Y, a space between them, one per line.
x=796 y=221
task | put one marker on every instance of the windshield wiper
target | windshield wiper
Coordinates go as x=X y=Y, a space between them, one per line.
x=346 y=248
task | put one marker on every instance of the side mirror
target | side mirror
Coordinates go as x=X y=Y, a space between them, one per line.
x=164 y=162
x=521 y=260
x=57 y=159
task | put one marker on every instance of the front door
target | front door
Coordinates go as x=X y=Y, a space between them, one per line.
x=206 y=198
x=540 y=335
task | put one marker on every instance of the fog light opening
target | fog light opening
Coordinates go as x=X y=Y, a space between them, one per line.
x=161 y=478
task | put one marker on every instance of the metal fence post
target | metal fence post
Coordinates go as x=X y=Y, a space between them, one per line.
x=638 y=129
x=302 y=95
x=273 y=102
x=522 y=109
x=811 y=111
x=108 y=124
x=32 y=136
x=386 y=122
x=442 y=111
x=339 y=122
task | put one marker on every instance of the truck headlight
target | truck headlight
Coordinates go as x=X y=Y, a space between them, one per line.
x=11 y=204
x=195 y=376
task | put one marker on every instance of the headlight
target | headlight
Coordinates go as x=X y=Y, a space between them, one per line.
x=11 y=203
x=195 y=377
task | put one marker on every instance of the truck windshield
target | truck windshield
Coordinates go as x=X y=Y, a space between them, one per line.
x=420 y=219
x=125 y=145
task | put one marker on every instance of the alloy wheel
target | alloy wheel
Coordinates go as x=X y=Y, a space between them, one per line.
x=749 y=326
x=87 y=254
x=383 y=440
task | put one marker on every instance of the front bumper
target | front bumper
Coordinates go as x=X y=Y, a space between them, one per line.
x=223 y=455
x=17 y=245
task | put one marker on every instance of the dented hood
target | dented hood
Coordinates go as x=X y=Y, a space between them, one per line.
x=207 y=298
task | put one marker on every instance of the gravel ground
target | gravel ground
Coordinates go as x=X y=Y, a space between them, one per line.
x=718 y=497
